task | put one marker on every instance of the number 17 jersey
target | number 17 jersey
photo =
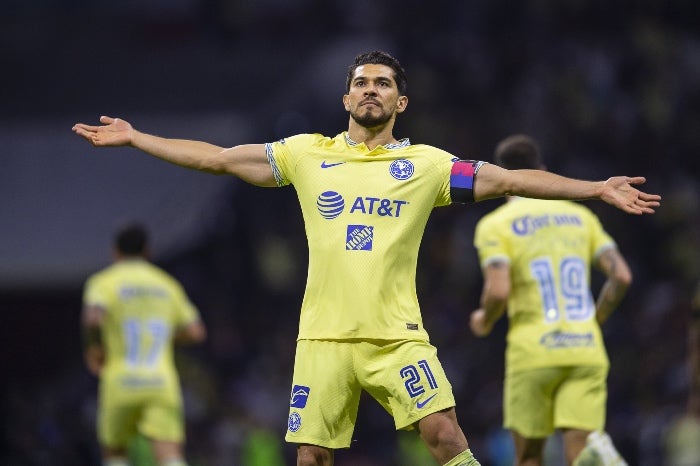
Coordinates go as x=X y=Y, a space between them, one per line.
x=143 y=309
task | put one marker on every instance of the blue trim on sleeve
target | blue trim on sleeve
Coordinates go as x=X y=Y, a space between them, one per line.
x=273 y=164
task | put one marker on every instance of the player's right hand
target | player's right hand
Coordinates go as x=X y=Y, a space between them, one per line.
x=112 y=132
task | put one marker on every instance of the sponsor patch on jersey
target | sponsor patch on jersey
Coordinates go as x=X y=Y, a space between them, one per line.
x=359 y=238
x=369 y=205
x=401 y=169
x=133 y=381
x=294 y=422
x=330 y=204
x=300 y=394
x=529 y=224
x=558 y=339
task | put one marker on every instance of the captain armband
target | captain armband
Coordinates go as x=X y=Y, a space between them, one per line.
x=462 y=177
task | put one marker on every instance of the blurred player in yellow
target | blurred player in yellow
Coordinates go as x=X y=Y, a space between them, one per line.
x=682 y=437
x=536 y=257
x=133 y=314
x=365 y=198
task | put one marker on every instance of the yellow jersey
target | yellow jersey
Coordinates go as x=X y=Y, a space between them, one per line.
x=365 y=212
x=143 y=308
x=549 y=246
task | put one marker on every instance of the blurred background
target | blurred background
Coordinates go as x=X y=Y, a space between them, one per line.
x=608 y=88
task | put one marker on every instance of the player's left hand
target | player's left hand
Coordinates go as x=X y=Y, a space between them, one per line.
x=618 y=191
x=478 y=323
x=94 y=359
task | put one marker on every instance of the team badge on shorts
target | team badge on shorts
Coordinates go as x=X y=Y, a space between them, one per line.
x=401 y=169
x=300 y=394
x=294 y=422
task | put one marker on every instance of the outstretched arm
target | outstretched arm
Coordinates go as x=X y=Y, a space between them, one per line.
x=247 y=162
x=493 y=181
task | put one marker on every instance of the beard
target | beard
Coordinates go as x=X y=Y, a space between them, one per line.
x=366 y=119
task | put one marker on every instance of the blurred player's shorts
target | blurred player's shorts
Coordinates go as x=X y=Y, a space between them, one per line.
x=682 y=442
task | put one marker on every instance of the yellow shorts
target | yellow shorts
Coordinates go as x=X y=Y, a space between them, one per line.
x=538 y=401
x=405 y=377
x=152 y=414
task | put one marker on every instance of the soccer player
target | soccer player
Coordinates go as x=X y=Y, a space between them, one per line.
x=365 y=198
x=536 y=257
x=133 y=313
x=694 y=356
x=682 y=436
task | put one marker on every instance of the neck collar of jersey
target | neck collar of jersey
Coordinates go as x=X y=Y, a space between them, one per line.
x=394 y=145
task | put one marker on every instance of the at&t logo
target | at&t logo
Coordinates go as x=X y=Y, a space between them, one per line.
x=330 y=204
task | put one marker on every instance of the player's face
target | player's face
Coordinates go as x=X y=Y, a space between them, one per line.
x=373 y=98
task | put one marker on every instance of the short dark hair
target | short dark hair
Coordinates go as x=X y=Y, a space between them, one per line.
x=518 y=151
x=377 y=57
x=131 y=240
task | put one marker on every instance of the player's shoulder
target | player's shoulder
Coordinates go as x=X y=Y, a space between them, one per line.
x=102 y=275
x=578 y=209
x=428 y=150
x=307 y=139
x=160 y=273
x=526 y=204
x=427 y=155
x=490 y=223
x=565 y=212
x=497 y=214
x=582 y=208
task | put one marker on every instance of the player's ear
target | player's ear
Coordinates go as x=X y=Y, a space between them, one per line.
x=401 y=104
x=346 y=102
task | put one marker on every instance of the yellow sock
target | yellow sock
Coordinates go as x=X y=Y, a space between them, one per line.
x=463 y=459
x=175 y=462
x=116 y=462
x=587 y=457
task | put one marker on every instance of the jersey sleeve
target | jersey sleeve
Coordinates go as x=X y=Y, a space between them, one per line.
x=491 y=246
x=95 y=293
x=187 y=312
x=458 y=178
x=601 y=240
x=463 y=174
x=283 y=155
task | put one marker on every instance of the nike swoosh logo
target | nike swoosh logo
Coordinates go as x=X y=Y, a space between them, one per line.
x=421 y=404
x=329 y=165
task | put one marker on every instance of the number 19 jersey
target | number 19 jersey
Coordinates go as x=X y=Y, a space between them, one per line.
x=549 y=246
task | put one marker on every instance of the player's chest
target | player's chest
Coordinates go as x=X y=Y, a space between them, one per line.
x=370 y=176
x=383 y=187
